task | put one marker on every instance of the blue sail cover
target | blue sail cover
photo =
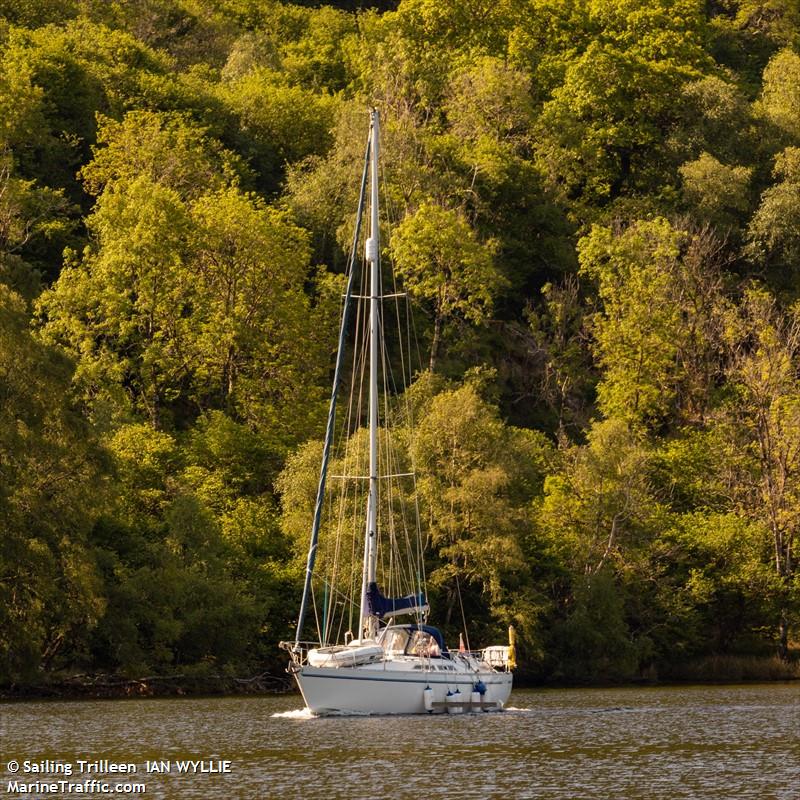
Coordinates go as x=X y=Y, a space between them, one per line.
x=384 y=607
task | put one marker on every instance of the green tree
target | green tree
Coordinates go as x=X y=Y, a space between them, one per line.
x=601 y=514
x=33 y=14
x=231 y=469
x=777 y=20
x=491 y=100
x=780 y=95
x=54 y=484
x=728 y=589
x=190 y=545
x=20 y=102
x=766 y=412
x=603 y=132
x=719 y=192
x=317 y=59
x=166 y=148
x=442 y=263
x=190 y=31
x=277 y=124
x=774 y=230
x=68 y=96
x=259 y=347
x=557 y=344
x=715 y=117
x=34 y=221
x=172 y=605
x=476 y=477
x=658 y=331
x=185 y=299
x=594 y=641
x=121 y=309
x=144 y=461
x=600 y=506
x=548 y=35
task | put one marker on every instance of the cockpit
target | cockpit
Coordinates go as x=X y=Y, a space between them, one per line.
x=422 y=641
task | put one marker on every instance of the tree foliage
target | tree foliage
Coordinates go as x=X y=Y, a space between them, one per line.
x=442 y=263
x=592 y=206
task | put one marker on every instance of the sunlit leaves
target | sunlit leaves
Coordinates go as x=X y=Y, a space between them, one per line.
x=441 y=262
x=165 y=148
x=491 y=99
x=251 y=265
x=636 y=332
x=278 y=123
x=658 y=327
x=470 y=467
x=177 y=302
x=601 y=503
x=599 y=135
x=774 y=230
x=122 y=307
x=716 y=190
x=780 y=95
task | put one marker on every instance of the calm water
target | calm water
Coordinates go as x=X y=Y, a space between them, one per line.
x=671 y=743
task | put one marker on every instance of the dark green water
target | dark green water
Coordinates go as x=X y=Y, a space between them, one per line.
x=672 y=743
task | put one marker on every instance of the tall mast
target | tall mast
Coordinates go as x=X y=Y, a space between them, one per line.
x=312 y=550
x=373 y=249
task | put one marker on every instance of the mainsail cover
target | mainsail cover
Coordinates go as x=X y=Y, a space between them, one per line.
x=385 y=607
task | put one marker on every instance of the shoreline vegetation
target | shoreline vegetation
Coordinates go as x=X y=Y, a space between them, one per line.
x=102 y=687
x=593 y=214
x=715 y=670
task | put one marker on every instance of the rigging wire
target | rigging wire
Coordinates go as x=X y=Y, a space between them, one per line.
x=331 y=424
x=400 y=546
x=407 y=582
x=421 y=579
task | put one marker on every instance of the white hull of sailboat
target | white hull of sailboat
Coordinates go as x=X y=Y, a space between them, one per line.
x=393 y=691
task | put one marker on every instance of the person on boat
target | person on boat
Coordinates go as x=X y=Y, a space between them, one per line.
x=426 y=646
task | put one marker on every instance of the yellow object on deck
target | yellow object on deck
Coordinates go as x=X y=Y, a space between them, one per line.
x=512 y=647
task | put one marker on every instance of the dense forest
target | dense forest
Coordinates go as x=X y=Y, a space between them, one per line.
x=596 y=210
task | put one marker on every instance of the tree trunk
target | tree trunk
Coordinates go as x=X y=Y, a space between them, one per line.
x=451 y=604
x=783 y=636
x=437 y=333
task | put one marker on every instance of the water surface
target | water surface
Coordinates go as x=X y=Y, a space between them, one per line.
x=672 y=743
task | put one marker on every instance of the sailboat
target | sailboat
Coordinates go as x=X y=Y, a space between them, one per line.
x=390 y=665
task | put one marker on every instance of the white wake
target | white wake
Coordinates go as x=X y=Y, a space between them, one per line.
x=295 y=713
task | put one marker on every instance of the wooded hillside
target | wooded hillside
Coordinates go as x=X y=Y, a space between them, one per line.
x=596 y=210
